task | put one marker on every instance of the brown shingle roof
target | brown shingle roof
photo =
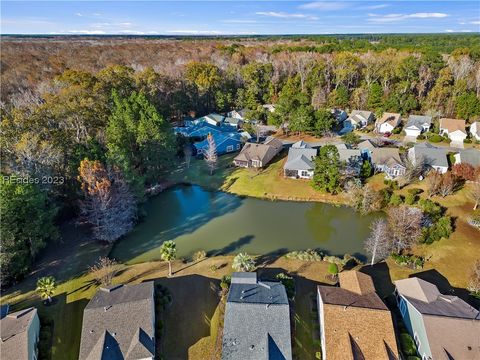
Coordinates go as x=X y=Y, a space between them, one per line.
x=383 y=155
x=453 y=124
x=357 y=324
x=262 y=152
x=391 y=118
x=356 y=282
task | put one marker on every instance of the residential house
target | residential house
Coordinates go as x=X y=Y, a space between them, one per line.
x=339 y=115
x=430 y=156
x=237 y=114
x=366 y=148
x=352 y=158
x=388 y=161
x=224 y=142
x=387 y=123
x=269 y=107
x=444 y=327
x=212 y=119
x=202 y=129
x=119 y=323
x=358 y=119
x=19 y=332
x=475 y=130
x=234 y=122
x=354 y=321
x=454 y=129
x=257 y=320
x=300 y=161
x=469 y=156
x=258 y=155
x=417 y=124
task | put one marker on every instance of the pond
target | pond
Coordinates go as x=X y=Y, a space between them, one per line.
x=222 y=223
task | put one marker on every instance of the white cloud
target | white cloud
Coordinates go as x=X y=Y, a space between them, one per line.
x=449 y=30
x=399 y=17
x=325 y=5
x=87 y=32
x=78 y=14
x=285 y=15
x=475 y=22
x=97 y=14
x=375 y=7
x=195 y=32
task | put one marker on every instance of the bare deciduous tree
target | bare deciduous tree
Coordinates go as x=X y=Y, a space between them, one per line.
x=447 y=184
x=474 y=283
x=104 y=270
x=187 y=154
x=210 y=154
x=405 y=227
x=474 y=193
x=378 y=244
x=108 y=204
x=433 y=180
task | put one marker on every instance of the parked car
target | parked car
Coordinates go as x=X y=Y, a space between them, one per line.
x=387 y=134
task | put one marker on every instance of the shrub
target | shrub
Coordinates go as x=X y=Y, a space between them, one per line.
x=396 y=200
x=199 y=255
x=213 y=268
x=225 y=282
x=421 y=137
x=333 y=269
x=415 y=191
x=442 y=228
x=305 y=255
x=435 y=138
x=410 y=199
x=289 y=284
x=392 y=184
x=397 y=130
x=408 y=345
x=433 y=210
x=412 y=261
x=386 y=194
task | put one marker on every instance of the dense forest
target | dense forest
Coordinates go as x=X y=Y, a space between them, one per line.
x=86 y=121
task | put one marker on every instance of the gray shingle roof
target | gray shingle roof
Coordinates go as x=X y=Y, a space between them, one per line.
x=432 y=155
x=418 y=121
x=470 y=156
x=257 y=322
x=14 y=334
x=118 y=323
x=300 y=158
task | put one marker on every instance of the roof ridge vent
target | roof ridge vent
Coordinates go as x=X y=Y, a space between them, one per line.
x=264 y=285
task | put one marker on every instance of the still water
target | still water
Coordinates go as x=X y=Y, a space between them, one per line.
x=222 y=223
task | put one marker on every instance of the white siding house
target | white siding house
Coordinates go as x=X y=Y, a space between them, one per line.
x=454 y=129
x=387 y=123
x=417 y=124
x=475 y=130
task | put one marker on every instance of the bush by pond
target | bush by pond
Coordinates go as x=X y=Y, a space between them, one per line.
x=305 y=255
x=412 y=261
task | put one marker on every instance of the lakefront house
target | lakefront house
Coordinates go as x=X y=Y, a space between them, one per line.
x=300 y=161
x=257 y=155
x=444 y=327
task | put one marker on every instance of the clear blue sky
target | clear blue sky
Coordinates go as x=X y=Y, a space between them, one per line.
x=238 y=17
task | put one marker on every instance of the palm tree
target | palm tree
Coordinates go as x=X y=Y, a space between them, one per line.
x=243 y=262
x=46 y=287
x=168 y=252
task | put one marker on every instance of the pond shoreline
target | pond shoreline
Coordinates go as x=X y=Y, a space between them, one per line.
x=271 y=197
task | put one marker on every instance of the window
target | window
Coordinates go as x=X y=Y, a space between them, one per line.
x=238 y=146
x=417 y=340
x=403 y=307
x=229 y=148
x=304 y=173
